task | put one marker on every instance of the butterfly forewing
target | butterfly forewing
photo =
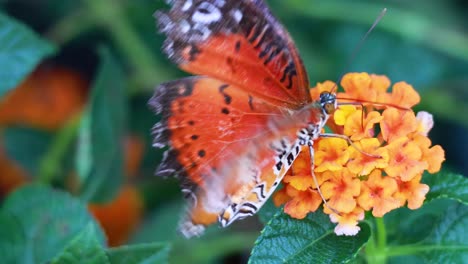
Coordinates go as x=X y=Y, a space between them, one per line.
x=238 y=42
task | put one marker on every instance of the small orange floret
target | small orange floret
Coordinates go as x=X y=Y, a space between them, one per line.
x=341 y=190
x=357 y=86
x=331 y=154
x=361 y=164
x=300 y=182
x=434 y=158
x=365 y=87
x=302 y=202
x=380 y=171
x=405 y=159
x=412 y=191
x=397 y=123
x=404 y=95
x=357 y=127
x=377 y=194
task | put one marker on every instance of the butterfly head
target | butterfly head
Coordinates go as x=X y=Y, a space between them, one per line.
x=328 y=102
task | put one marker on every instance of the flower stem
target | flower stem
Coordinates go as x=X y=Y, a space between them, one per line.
x=406 y=250
x=381 y=234
x=376 y=249
x=71 y=26
x=110 y=14
x=50 y=165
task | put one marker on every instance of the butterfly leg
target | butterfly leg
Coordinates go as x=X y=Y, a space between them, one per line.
x=344 y=137
x=311 y=152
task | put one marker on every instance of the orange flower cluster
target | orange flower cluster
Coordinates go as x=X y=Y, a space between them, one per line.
x=383 y=168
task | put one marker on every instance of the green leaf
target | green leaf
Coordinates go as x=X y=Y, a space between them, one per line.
x=26 y=146
x=12 y=238
x=49 y=219
x=288 y=240
x=84 y=248
x=267 y=211
x=446 y=242
x=142 y=254
x=21 y=50
x=161 y=225
x=100 y=150
x=449 y=237
x=417 y=224
x=211 y=246
x=447 y=185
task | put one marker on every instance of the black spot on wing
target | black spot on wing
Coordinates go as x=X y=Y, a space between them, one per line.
x=227 y=97
x=251 y=106
x=225 y=111
x=201 y=153
x=237 y=47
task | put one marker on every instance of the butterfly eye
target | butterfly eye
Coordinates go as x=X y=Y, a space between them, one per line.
x=329 y=108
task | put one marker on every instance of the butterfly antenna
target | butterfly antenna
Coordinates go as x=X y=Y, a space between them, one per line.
x=359 y=46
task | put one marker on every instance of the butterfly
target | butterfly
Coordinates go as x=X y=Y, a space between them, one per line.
x=234 y=129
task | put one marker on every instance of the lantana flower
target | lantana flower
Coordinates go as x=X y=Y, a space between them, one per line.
x=380 y=171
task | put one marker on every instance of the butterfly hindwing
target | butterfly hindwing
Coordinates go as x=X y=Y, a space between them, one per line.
x=239 y=42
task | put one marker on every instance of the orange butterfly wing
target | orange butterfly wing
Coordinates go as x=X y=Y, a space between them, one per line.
x=238 y=42
x=206 y=122
x=201 y=116
x=229 y=148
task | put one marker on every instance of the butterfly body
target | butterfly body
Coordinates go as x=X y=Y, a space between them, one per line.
x=234 y=130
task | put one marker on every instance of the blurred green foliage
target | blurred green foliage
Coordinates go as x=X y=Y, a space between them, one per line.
x=114 y=44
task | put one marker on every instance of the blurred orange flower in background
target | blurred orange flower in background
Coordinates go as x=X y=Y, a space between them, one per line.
x=49 y=97
x=381 y=172
x=46 y=100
